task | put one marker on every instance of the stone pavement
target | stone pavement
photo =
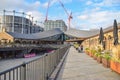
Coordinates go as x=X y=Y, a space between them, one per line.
x=79 y=66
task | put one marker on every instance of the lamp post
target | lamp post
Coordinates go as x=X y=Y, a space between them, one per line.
x=3 y=27
x=23 y=22
x=29 y=31
x=13 y=21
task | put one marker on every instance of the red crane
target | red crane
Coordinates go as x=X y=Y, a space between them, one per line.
x=46 y=18
x=69 y=15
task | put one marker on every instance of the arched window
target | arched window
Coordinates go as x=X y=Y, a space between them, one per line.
x=109 y=37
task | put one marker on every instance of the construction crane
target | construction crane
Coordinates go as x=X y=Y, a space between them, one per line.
x=46 y=18
x=69 y=15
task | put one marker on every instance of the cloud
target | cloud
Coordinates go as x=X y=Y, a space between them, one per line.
x=37 y=4
x=109 y=3
x=45 y=5
x=96 y=9
x=37 y=16
x=30 y=8
x=98 y=19
x=19 y=4
x=96 y=16
x=6 y=4
x=89 y=2
x=54 y=2
x=83 y=17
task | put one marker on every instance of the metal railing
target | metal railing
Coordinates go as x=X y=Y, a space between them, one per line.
x=38 y=69
x=31 y=45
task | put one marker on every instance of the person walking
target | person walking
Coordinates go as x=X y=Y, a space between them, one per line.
x=81 y=47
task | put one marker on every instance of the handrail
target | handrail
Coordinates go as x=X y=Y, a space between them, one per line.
x=44 y=64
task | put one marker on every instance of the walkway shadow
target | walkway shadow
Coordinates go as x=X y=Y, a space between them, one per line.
x=60 y=74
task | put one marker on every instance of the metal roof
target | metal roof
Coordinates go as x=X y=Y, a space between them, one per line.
x=85 y=33
x=81 y=33
x=48 y=33
x=55 y=33
x=110 y=28
x=40 y=35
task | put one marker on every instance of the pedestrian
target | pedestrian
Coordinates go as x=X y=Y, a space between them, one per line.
x=81 y=47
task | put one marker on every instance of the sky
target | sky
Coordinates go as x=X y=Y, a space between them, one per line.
x=87 y=14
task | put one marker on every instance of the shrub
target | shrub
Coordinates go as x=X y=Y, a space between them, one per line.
x=87 y=50
x=93 y=51
x=107 y=55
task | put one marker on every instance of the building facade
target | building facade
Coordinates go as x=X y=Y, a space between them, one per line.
x=93 y=41
x=50 y=24
x=18 y=24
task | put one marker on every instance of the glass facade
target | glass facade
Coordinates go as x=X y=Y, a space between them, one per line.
x=50 y=24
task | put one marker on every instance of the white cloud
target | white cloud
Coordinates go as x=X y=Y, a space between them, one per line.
x=96 y=9
x=19 y=4
x=45 y=5
x=37 y=15
x=83 y=17
x=53 y=2
x=98 y=16
x=37 y=4
x=22 y=6
x=97 y=19
x=6 y=4
x=108 y=3
x=89 y=2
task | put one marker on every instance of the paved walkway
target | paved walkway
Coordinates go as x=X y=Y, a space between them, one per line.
x=79 y=66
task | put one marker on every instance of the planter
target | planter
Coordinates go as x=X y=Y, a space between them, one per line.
x=115 y=66
x=94 y=57
x=99 y=59
x=86 y=52
x=105 y=62
x=90 y=54
x=118 y=67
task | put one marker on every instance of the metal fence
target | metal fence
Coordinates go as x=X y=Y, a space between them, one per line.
x=38 y=69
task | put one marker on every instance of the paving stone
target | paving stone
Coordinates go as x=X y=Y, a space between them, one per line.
x=79 y=66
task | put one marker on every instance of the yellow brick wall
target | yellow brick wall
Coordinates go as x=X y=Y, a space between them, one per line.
x=93 y=41
x=5 y=36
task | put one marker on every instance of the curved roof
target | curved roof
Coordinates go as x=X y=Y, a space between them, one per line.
x=55 y=34
x=110 y=28
x=81 y=33
x=40 y=35
x=48 y=33
x=87 y=34
x=20 y=36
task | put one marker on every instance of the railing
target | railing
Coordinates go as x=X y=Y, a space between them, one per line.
x=31 y=45
x=38 y=69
